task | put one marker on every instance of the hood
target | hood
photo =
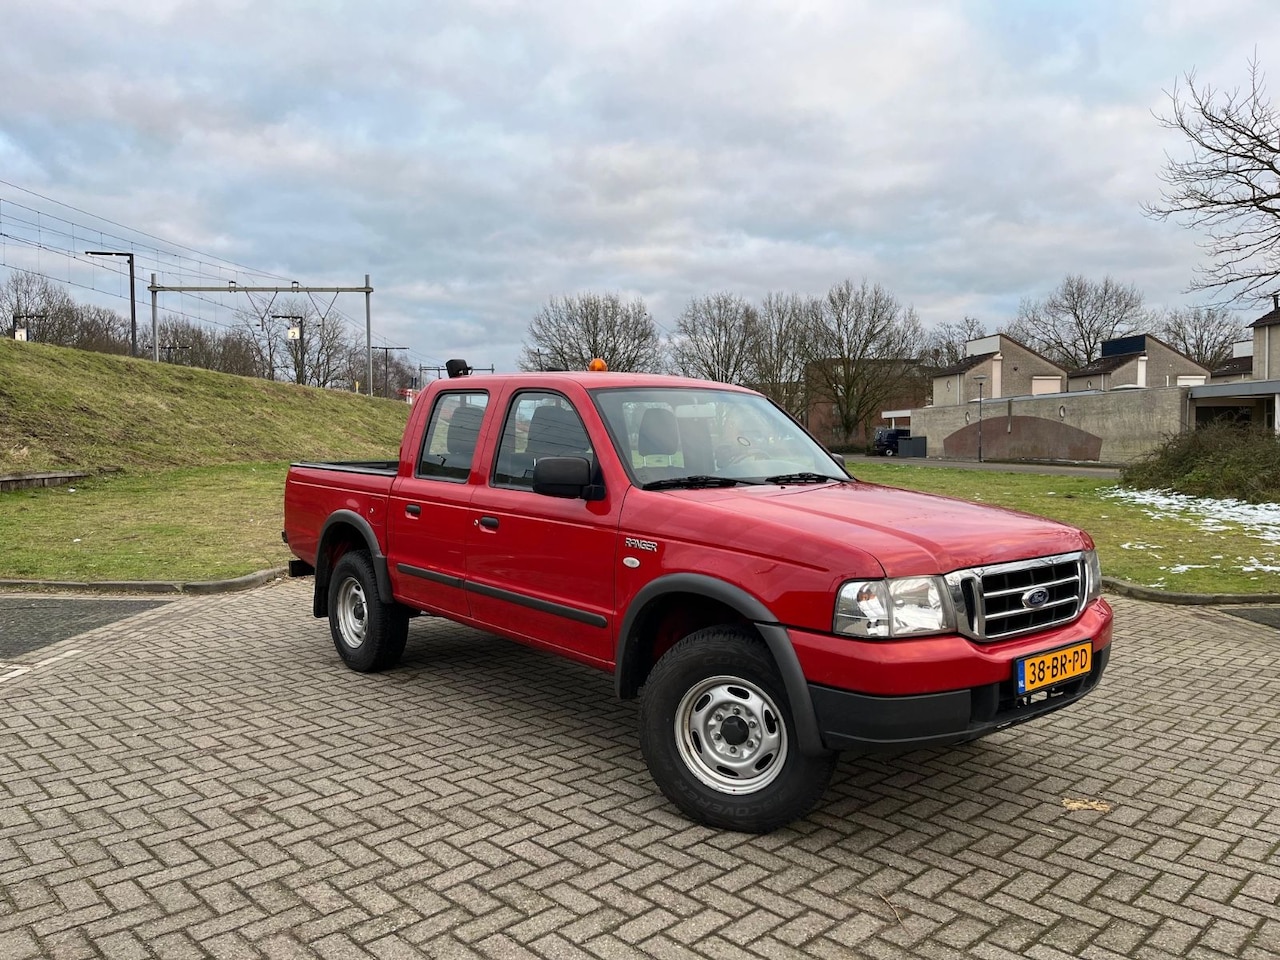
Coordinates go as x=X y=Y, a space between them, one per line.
x=908 y=533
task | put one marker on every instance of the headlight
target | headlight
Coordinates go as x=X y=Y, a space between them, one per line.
x=1092 y=576
x=908 y=607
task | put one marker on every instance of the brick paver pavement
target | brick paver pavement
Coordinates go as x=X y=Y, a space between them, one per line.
x=207 y=779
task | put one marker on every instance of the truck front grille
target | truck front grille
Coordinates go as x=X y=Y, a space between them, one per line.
x=1010 y=599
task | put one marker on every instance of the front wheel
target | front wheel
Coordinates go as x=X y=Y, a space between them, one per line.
x=370 y=635
x=717 y=733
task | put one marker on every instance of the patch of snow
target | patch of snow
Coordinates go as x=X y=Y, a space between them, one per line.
x=1184 y=567
x=1259 y=520
x=1253 y=565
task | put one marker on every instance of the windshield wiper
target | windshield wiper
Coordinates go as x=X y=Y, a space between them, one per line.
x=802 y=478
x=698 y=480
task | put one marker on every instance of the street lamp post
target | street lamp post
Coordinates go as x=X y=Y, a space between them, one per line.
x=980 y=379
x=133 y=300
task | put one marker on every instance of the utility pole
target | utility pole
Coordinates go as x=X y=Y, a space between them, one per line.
x=133 y=300
x=386 y=367
x=296 y=333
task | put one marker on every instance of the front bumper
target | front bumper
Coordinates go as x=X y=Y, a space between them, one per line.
x=933 y=691
x=870 y=723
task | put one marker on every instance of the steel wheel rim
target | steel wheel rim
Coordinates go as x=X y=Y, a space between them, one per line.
x=730 y=735
x=352 y=613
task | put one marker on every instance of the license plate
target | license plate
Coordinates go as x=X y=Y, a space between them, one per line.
x=1046 y=669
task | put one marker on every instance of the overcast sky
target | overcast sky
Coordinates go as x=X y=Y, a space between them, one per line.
x=477 y=158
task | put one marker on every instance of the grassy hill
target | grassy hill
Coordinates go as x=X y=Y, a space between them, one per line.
x=66 y=409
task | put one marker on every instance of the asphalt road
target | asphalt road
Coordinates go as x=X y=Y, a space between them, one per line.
x=204 y=778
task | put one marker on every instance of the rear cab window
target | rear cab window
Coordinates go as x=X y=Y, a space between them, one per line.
x=453 y=431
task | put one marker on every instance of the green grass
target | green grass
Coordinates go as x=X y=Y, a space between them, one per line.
x=1132 y=545
x=188 y=524
x=66 y=409
x=201 y=459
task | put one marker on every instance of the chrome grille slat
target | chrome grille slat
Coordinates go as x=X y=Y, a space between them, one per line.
x=1018 y=591
x=990 y=598
x=1047 y=606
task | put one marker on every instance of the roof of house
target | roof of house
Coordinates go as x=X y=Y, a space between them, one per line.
x=1269 y=319
x=1103 y=365
x=1235 y=367
x=964 y=366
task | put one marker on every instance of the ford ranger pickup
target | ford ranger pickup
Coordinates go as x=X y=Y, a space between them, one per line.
x=689 y=537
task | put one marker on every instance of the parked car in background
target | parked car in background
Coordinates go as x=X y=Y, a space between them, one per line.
x=886 y=440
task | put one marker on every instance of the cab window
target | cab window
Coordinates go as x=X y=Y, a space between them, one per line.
x=538 y=424
x=453 y=431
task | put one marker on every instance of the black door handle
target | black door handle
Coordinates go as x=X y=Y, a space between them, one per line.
x=489 y=523
x=413 y=510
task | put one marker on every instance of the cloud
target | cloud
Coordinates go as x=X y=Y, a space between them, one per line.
x=476 y=158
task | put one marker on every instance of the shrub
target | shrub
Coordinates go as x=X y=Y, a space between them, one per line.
x=1217 y=460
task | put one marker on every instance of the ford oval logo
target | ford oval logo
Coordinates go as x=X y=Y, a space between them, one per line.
x=1035 y=598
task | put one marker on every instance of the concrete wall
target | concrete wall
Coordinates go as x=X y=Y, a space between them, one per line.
x=1102 y=427
x=1266 y=353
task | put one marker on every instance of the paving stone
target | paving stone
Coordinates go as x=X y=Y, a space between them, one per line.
x=205 y=778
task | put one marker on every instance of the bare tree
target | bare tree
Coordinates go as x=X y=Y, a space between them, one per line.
x=569 y=332
x=713 y=338
x=945 y=343
x=1231 y=185
x=1205 y=334
x=774 y=343
x=1070 y=325
x=861 y=344
x=265 y=337
x=46 y=310
x=100 y=330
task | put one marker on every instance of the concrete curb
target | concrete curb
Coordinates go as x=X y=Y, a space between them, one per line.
x=1139 y=592
x=247 y=582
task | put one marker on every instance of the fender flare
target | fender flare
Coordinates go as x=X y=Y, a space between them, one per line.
x=320 y=601
x=766 y=624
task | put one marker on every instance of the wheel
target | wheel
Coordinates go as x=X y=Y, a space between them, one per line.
x=369 y=634
x=889 y=452
x=717 y=733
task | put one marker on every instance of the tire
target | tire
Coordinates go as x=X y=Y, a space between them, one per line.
x=717 y=733
x=369 y=635
x=890 y=452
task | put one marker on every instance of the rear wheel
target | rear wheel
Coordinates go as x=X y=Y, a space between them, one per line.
x=369 y=635
x=718 y=736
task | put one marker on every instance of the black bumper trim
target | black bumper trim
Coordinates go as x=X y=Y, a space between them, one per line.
x=869 y=723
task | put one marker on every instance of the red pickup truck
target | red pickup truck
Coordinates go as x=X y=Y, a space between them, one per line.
x=692 y=539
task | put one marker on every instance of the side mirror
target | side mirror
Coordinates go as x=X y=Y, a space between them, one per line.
x=568 y=477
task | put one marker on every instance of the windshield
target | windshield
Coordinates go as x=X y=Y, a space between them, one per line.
x=667 y=434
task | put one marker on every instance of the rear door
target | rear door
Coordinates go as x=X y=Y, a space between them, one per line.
x=429 y=509
x=540 y=567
